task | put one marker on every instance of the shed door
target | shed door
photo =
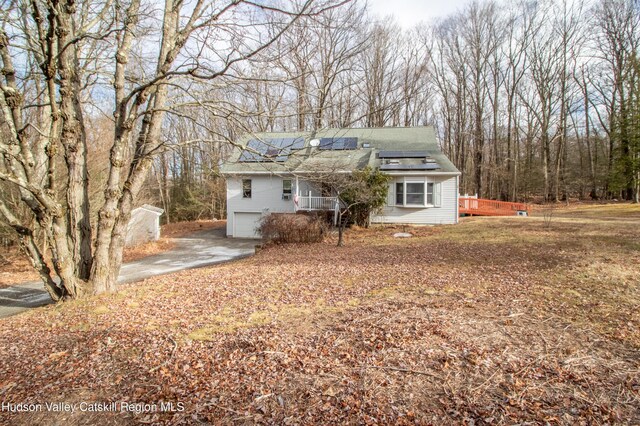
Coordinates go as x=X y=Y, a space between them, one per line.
x=245 y=225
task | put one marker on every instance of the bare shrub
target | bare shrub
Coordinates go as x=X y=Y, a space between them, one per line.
x=292 y=228
x=547 y=215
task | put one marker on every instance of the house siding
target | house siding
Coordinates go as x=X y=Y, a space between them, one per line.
x=266 y=197
x=144 y=226
x=447 y=213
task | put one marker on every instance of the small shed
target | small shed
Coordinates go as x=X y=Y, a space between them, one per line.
x=144 y=225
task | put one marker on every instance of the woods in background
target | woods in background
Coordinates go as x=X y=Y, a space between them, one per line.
x=530 y=99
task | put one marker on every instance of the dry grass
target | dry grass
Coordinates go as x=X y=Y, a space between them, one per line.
x=16 y=268
x=181 y=229
x=600 y=211
x=493 y=321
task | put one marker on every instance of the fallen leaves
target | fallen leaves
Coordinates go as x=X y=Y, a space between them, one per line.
x=491 y=321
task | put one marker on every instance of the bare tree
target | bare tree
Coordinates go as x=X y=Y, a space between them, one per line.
x=157 y=53
x=381 y=79
x=617 y=49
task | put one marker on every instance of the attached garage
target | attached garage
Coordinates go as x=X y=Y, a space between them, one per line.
x=245 y=224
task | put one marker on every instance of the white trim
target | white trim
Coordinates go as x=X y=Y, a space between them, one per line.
x=457 y=199
x=149 y=208
x=425 y=181
x=288 y=172
x=405 y=193
x=299 y=173
x=322 y=172
x=242 y=181
x=404 y=181
x=396 y=173
x=249 y=172
x=288 y=196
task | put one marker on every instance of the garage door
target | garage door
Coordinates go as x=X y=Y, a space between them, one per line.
x=245 y=224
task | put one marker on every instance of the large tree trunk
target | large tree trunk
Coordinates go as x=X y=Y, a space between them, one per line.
x=74 y=140
x=546 y=163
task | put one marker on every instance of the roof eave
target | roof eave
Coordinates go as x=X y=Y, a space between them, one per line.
x=420 y=173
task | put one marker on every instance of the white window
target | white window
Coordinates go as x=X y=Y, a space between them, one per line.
x=430 y=193
x=246 y=188
x=414 y=193
x=286 y=189
x=418 y=194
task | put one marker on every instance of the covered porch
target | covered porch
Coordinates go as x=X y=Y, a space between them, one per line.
x=315 y=196
x=310 y=202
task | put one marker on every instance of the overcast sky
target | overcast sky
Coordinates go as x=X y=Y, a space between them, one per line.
x=410 y=12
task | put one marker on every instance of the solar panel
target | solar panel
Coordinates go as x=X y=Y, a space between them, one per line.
x=350 y=143
x=403 y=154
x=246 y=157
x=283 y=154
x=270 y=149
x=287 y=145
x=326 y=143
x=294 y=143
x=254 y=152
x=426 y=166
x=338 y=144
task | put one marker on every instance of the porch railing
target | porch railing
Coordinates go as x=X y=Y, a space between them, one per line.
x=316 y=203
x=482 y=207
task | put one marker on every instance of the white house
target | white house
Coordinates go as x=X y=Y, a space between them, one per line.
x=282 y=173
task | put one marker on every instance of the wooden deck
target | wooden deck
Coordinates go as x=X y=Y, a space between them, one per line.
x=482 y=207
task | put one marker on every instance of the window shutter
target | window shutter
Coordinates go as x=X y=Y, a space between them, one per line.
x=437 y=194
x=399 y=193
x=391 y=196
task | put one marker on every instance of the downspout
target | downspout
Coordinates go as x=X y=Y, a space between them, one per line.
x=336 y=210
x=296 y=197
x=457 y=199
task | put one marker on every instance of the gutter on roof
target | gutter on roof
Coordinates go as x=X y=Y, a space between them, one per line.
x=390 y=173
x=310 y=172
x=420 y=173
x=261 y=172
x=291 y=172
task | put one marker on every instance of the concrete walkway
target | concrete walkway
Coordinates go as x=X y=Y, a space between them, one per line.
x=199 y=249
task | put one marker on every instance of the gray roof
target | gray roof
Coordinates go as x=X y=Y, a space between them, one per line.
x=311 y=159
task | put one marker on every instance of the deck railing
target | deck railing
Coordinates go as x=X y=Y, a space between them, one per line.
x=484 y=207
x=316 y=203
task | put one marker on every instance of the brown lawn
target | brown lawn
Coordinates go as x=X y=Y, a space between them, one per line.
x=495 y=320
x=15 y=267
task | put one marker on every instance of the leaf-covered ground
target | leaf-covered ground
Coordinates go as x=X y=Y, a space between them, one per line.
x=15 y=267
x=493 y=321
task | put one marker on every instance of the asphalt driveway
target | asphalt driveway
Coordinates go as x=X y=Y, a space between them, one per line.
x=199 y=249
